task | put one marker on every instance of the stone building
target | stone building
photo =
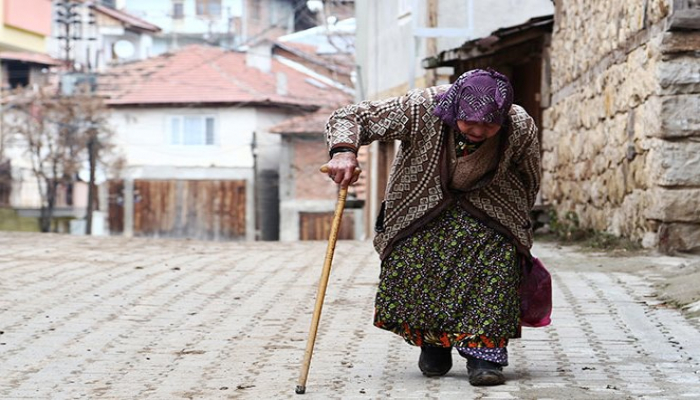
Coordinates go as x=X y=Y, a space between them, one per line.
x=621 y=138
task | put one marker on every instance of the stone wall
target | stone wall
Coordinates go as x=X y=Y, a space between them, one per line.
x=621 y=140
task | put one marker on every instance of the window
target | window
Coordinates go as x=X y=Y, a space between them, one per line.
x=193 y=131
x=178 y=10
x=209 y=8
x=18 y=74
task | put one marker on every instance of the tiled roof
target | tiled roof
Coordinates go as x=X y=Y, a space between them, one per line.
x=341 y=62
x=310 y=124
x=201 y=74
x=33 y=58
x=128 y=20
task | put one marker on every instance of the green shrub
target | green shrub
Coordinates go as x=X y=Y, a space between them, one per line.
x=569 y=230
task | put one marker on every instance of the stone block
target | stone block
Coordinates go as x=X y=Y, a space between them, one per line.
x=658 y=9
x=615 y=153
x=675 y=163
x=549 y=139
x=600 y=164
x=680 y=75
x=680 y=42
x=679 y=237
x=549 y=161
x=576 y=144
x=616 y=186
x=674 y=205
x=637 y=172
x=564 y=151
x=648 y=118
x=597 y=192
x=680 y=116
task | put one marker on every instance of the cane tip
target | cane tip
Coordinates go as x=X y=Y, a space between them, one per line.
x=301 y=389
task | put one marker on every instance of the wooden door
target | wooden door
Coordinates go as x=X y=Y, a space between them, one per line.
x=317 y=226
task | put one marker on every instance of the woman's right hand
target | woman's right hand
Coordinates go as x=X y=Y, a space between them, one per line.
x=341 y=168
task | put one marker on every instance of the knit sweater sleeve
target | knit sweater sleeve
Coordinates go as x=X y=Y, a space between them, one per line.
x=528 y=163
x=390 y=119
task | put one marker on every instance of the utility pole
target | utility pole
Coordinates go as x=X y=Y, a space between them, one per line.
x=70 y=23
x=92 y=155
x=69 y=17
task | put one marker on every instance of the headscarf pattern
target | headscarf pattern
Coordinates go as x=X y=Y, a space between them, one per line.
x=477 y=96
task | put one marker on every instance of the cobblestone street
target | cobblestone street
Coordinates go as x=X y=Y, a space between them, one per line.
x=115 y=318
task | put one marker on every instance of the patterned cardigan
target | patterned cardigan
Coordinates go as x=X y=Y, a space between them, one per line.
x=417 y=188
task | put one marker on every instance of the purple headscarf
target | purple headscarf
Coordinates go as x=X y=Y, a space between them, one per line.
x=476 y=96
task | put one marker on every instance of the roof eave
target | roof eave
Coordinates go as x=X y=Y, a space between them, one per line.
x=488 y=45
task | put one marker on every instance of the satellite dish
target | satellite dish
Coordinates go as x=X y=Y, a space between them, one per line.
x=124 y=49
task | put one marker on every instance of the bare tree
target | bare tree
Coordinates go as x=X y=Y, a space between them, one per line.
x=54 y=132
x=97 y=142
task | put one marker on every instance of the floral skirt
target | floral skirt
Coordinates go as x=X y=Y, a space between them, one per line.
x=453 y=283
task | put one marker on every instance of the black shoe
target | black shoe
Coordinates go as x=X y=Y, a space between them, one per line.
x=435 y=361
x=484 y=373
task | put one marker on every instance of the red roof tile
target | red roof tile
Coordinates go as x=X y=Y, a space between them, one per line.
x=200 y=74
x=310 y=124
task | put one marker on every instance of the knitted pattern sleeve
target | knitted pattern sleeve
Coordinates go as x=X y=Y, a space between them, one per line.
x=383 y=120
x=528 y=163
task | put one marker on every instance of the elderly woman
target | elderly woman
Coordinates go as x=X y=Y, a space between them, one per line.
x=454 y=227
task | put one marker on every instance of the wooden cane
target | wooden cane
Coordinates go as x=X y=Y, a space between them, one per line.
x=322 y=284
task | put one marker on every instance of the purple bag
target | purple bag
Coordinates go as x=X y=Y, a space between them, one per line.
x=535 y=295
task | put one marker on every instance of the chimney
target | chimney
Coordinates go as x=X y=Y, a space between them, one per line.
x=260 y=56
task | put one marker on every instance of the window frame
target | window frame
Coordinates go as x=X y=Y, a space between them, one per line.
x=181 y=14
x=179 y=139
x=203 y=8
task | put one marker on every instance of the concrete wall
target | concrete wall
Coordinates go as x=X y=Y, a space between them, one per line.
x=620 y=141
x=143 y=136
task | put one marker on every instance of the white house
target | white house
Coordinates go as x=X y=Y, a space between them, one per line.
x=193 y=128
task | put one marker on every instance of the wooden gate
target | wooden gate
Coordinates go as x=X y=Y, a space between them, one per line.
x=115 y=211
x=206 y=209
x=317 y=226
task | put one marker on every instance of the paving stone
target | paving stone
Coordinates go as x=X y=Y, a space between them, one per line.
x=115 y=318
